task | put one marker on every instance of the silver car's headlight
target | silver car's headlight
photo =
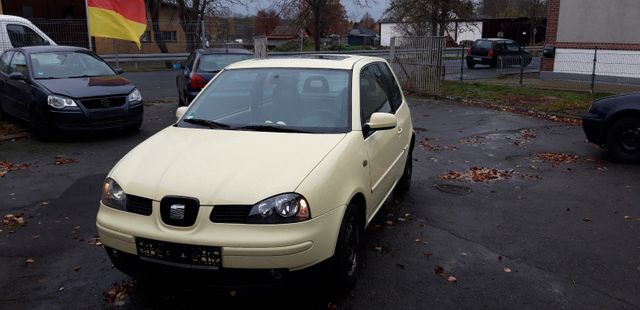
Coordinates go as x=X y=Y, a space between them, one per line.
x=60 y=102
x=113 y=196
x=134 y=96
x=283 y=208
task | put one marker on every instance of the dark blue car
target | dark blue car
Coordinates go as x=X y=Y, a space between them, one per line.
x=58 y=88
x=201 y=66
x=614 y=123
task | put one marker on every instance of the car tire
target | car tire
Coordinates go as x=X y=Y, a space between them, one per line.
x=623 y=139
x=405 y=180
x=347 y=260
x=41 y=126
x=471 y=65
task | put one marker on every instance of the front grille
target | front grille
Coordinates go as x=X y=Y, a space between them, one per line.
x=103 y=103
x=139 y=205
x=230 y=214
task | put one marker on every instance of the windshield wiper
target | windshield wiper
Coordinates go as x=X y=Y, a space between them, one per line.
x=205 y=122
x=269 y=128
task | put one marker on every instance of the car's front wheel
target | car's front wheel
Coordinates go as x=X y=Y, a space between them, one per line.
x=623 y=139
x=347 y=260
x=405 y=180
x=41 y=126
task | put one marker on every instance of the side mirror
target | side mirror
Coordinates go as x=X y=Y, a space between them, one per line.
x=381 y=121
x=119 y=71
x=18 y=76
x=180 y=112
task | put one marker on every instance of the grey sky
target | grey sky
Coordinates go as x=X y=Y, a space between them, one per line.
x=353 y=11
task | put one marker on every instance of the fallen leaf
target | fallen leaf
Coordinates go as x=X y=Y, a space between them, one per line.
x=29 y=261
x=389 y=222
x=401 y=266
x=439 y=270
x=61 y=289
x=557 y=157
x=507 y=269
x=77 y=268
x=626 y=217
x=34 y=237
x=499 y=258
x=586 y=219
x=232 y=293
x=452 y=279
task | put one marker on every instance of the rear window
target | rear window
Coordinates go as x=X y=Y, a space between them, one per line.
x=217 y=62
x=483 y=44
x=20 y=36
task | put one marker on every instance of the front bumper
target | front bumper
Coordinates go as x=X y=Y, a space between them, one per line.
x=594 y=127
x=247 y=246
x=87 y=120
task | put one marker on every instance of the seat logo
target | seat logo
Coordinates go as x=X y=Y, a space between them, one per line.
x=176 y=212
x=105 y=102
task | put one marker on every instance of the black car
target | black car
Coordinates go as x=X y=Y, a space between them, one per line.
x=487 y=51
x=58 y=88
x=201 y=66
x=614 y=123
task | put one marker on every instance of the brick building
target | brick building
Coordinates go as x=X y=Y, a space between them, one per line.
x=576 y=28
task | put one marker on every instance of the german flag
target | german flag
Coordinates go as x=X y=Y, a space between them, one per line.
x=118 y=19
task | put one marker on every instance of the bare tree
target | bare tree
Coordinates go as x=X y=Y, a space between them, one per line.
x=266 y=21
x=312 y=13
x=423 y=17
x=153 y=14
x=367 y=22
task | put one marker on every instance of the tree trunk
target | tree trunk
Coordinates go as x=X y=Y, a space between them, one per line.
x=317 y=24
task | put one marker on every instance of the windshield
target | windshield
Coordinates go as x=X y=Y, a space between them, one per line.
x=217 y=62
x=61 y=65
x=281 y=100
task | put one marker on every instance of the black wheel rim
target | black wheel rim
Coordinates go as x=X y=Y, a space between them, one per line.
x=630 y=140
x=352 y=240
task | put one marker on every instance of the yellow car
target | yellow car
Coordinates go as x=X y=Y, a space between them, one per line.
x=278 y=164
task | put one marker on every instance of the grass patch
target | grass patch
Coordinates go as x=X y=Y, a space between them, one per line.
x=540 y=100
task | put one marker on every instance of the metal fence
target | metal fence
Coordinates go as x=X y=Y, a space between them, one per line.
x=418 y=63
x=598 y=66
x=456 y=69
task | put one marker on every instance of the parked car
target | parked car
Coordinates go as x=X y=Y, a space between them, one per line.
x=16 y=31
x=487 y=51
x=58 y=88
x=614 y=123
x=201 y=66
x=278 y=164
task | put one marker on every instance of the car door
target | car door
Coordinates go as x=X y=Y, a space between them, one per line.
x=5 y=60
x=22 y=35
x=18 y=91
x=383 y=146
x=183 y=77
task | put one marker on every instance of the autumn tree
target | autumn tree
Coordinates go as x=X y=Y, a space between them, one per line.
x=424 y=17
x=367 y=22
x=266 y=22
x=316 y=15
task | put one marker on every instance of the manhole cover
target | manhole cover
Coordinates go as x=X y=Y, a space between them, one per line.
x=453 y=189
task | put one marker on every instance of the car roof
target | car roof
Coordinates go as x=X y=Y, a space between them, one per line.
x=13 y=18
x=222 y=50
x=320 y=61
x=47 y=48
x=494 y=39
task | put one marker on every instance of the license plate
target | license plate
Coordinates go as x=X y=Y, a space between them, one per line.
x=179 y=255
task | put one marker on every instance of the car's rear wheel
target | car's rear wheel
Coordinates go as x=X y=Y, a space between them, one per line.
x=41 y=126
x=623 y=139
x=347 y=260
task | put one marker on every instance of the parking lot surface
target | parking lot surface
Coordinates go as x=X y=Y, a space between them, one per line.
x=505 y=211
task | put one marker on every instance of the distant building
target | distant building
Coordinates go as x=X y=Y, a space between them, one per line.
x=362 y=36
x=577 y=27
x=285 y=33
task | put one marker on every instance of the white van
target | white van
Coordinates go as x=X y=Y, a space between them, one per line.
x=16 y=31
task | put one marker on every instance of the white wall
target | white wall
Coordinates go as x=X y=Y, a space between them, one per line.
x=610 y=62
x=387 y=31
x=466 y=31
x=599 y=21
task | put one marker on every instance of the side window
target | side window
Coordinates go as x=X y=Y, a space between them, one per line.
x=18 y=64
x=392 y=88
x=513 y=47
x=21 y=35
x=4 y=62
x=373 y=96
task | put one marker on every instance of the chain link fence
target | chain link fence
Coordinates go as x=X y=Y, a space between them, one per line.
x=598 y=66
x=506 y=66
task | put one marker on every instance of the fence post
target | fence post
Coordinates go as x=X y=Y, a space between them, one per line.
x=461 y=63
x=593 y=74
x=203 y=34
x=392 y=50
x=521 y=69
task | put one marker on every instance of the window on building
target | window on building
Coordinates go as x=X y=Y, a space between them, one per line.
x=166 y=36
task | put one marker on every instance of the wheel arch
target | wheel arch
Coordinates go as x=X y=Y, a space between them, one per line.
x=616 y=116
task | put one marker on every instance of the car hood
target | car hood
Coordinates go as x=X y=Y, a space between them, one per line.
x=88 y=87
x=221 y=166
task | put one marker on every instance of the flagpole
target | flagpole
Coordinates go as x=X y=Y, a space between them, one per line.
x=86 y=6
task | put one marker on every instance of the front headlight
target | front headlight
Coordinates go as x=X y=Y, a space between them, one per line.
x=134 y=96
x=113 y=196
x=60 y=102
x=283 y=208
